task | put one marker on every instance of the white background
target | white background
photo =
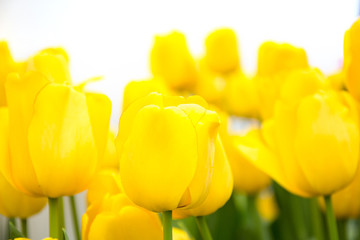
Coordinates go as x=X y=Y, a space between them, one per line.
x=113 y=38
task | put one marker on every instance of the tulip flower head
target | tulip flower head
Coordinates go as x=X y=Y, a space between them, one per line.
x=53 y=134
x=313 y=137
x=171 y=60
x=222 y=51
x=166 y=148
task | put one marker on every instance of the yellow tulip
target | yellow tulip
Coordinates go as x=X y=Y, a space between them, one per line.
x=352 y=59
x=220 y=189
x=54 y=132
x=12 y=202
x=138 y=89
x=7 y=65
x=210 y=84
x=222 y=51
x=267 y=206
x=166 y=149
x=316 y=144
x=179 y=234
x=110 y=159
x=53 y=63
x=275 y=62
x=248 y=178
x=171 y=60
x=15 y=204
x=30 y=239
x=346 y=201
x=116 y=217
x=274 y=58
x=106 y=182
x=240 y=96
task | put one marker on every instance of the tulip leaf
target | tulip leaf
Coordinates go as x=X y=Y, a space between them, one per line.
x=14 y=233
x=66 y=236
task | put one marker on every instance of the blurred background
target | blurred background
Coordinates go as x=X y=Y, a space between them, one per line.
x=113 y=39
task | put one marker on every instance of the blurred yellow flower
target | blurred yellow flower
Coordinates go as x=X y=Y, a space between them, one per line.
x=316 y=144
x=12 y=202
x=220 y=189
x=116 y=217
x=138 y=89
x=179 y=234
x=54 y=132
x=240 y=96
x=171 y=60
x=7 y=65
x=166 y=147
x=210 y=85
x=222 y=51
x=275 y=62
x=352 y=59
x=267 y=206
x=346 y=202
x=106 y=182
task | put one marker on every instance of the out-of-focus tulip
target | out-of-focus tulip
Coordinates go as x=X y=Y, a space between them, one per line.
x=54 y=132
x=30 y=239
x=53 y=63
x=166 y=147
x=316 y=144
x=116 y=217
x=110 y=159
x=352 y=59
x=274 y=58
x=248 y=178
x=12 y=202
x=240 y=96
x=275 y=62
x=346 y=201
x=171 y=60
x=336 y=81
x=267 y=206
x=179 y=234
x=138 y=89
x=222 y=51
x=106 y=182
x=210 y=85
x=220 y=189
x=7 y=65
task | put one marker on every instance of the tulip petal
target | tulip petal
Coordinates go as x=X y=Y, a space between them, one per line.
x=206 y=124
x=159 y=158
x=99 y=108
x=132 y=223
x=61 y=142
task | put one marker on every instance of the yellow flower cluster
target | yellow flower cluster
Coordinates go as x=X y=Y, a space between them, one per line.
x=176 y=151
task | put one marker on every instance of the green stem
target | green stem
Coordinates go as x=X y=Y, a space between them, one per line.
x=24 y=228
x=54 y=218
x=255 y=223
x=13 y=221
x=333 y=232
x=298 y=217
x=342 y=226
x=167 y=225
x=61 y=218
x=75 y=216
x=203 y=227
x=316 y=220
